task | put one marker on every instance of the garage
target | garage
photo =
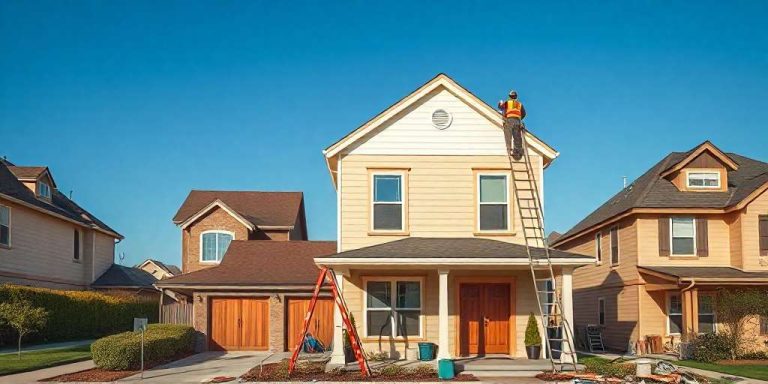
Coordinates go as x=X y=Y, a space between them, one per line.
x=239 y=323
x=321 y=325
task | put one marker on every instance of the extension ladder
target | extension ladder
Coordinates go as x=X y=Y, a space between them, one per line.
x=354 y=338
x=528 y=198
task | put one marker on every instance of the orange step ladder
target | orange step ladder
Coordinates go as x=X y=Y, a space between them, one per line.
x=354 y=338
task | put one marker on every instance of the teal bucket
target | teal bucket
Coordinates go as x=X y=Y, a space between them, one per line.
x=426 y=351
x=445 y=369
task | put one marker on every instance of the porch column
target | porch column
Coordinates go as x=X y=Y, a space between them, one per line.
x=566 y=290
x=337 y=354
x=689 y=300
x=443 y=348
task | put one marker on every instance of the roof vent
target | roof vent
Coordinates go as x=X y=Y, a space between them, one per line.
x=441 y=119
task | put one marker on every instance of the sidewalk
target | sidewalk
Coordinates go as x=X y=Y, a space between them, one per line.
x=37 y=347
x=35 y=376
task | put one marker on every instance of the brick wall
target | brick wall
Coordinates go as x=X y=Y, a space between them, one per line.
x=216 y=219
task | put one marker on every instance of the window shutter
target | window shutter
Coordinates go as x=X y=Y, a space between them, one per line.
x=664 y=234
x=702 y=237
x=763 y=235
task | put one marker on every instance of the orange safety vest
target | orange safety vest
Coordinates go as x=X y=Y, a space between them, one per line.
x=513 y=108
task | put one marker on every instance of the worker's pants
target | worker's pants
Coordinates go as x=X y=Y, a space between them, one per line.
x=513 y=135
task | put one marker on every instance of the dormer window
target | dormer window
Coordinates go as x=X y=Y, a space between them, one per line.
x=703 y=180
x=43 y=190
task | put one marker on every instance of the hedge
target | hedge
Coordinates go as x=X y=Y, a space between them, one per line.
x=77 y=314
x=162 y=342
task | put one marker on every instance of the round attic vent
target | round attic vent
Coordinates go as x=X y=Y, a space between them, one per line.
x=441 y=119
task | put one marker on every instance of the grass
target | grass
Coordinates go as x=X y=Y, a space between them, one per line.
x=758 y=371
x=33 y=360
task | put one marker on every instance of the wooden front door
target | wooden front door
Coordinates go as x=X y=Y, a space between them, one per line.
x=484 y=318
x=320 y=326
x=239 y=323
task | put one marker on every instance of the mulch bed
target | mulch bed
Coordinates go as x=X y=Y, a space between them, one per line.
x=315 y=371
x=103 y=375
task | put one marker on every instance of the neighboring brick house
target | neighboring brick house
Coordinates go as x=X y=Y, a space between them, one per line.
x=694 y=222
x=46 y=239
x=248 y=270
x=209 y=220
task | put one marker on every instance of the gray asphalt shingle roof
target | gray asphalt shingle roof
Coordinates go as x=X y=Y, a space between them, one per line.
x=708 y=272
x=122 y=276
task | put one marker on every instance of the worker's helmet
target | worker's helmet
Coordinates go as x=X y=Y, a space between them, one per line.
x=513 y=94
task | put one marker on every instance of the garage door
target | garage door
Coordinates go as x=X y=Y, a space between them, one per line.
x=321 y=325
x=240 y=323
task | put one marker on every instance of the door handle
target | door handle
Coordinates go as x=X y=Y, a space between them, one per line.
x=486 y=321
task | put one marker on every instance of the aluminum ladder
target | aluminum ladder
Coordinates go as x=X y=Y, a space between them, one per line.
x=528 y=198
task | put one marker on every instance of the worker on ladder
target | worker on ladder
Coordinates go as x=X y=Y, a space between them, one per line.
x=514 y=113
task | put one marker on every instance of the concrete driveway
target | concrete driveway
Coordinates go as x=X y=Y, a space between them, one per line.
x=202 y=367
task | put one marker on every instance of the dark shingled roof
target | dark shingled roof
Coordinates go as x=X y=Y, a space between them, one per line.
x=259 y=208
x=26 y=172
x=122 y=276
x=59 y=204
x=449 y=248
x=261 y=262
x=650 y=190
x=708 y=272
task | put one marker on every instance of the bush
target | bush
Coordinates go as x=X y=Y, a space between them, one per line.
x=710 y=347
x=754 y=355
x=608 y=368
x=532 y=336
x=77 y=314
x=162 y=342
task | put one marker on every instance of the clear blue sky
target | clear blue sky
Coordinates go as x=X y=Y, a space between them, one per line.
x=134 y=103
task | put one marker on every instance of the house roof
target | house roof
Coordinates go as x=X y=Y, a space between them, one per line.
x=27 y=172
x=168 y=268
x=122 y=276
x=707 y=273
x=651 y=190
x=13 y=189
x=260 y=263
x=449 y=248
x=258 y=208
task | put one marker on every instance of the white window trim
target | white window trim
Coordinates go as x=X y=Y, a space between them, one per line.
x=393 y=297
x=403 y=198
x=703 y=171
x=39 y=190
x=201 y=245
x=669 y=311
x=714 y=316
x=599 y=247
x=601 y=300
x=10 y=227
x=672 y=239
x=618 y=245
x=508 y=202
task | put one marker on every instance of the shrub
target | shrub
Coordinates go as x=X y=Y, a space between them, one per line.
x=77 y=314
x=532 y=336
x=710 y=347
x=609 y=368
x=754 y=355
x=393 y=370
x=162 y=342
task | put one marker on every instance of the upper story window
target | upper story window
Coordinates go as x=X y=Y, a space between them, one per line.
x=43 y=189
x=615 y=246
x=493 y=203
x=214 y=244
x=683 y=236
x=76 y=245
x=5 y=226
x=705 y=180
x=388 y=212
x=599 y=247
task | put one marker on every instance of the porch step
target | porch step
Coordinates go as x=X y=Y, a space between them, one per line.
x=501 y=367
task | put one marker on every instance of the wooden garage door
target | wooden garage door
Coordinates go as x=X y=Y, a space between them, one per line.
x=321 y=325
x=240 y=323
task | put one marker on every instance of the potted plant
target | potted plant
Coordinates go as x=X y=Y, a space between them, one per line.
x=349 y=354
x=532 y=339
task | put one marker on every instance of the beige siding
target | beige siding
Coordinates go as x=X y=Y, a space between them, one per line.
x=734 y=231
x=751 y=258
x=621 y=313
x=42 y=251
x=718 y=241
x=653 y=313
x=440 y=196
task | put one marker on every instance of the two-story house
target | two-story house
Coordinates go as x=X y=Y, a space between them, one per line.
x=430 y=246
x=248 y=270
x=696 y=221
x=46 y=239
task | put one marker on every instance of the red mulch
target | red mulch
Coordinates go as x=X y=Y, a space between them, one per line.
x=316 y=372
x=91 y=375
x=553 y=376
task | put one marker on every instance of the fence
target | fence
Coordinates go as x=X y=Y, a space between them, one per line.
x=176 y=312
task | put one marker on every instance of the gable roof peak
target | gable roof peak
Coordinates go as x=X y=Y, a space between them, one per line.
x=706 y=146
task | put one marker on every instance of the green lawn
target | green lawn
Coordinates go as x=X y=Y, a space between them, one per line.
x=759 y=372
x=32 y=360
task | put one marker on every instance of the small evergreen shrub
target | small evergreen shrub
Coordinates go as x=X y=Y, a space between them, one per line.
x=162 y=342
x=532 y=336
x=609 y=369
x=710 y=347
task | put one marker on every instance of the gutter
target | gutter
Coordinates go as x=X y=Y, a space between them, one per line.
x=402 y=261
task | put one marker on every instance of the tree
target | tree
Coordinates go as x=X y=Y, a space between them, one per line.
x=23 y=317
x=532 y=336
x=739 y=311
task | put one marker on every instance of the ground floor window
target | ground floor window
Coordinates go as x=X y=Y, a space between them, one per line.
x=674 y=314
x=706 y=314
x=393 y=307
